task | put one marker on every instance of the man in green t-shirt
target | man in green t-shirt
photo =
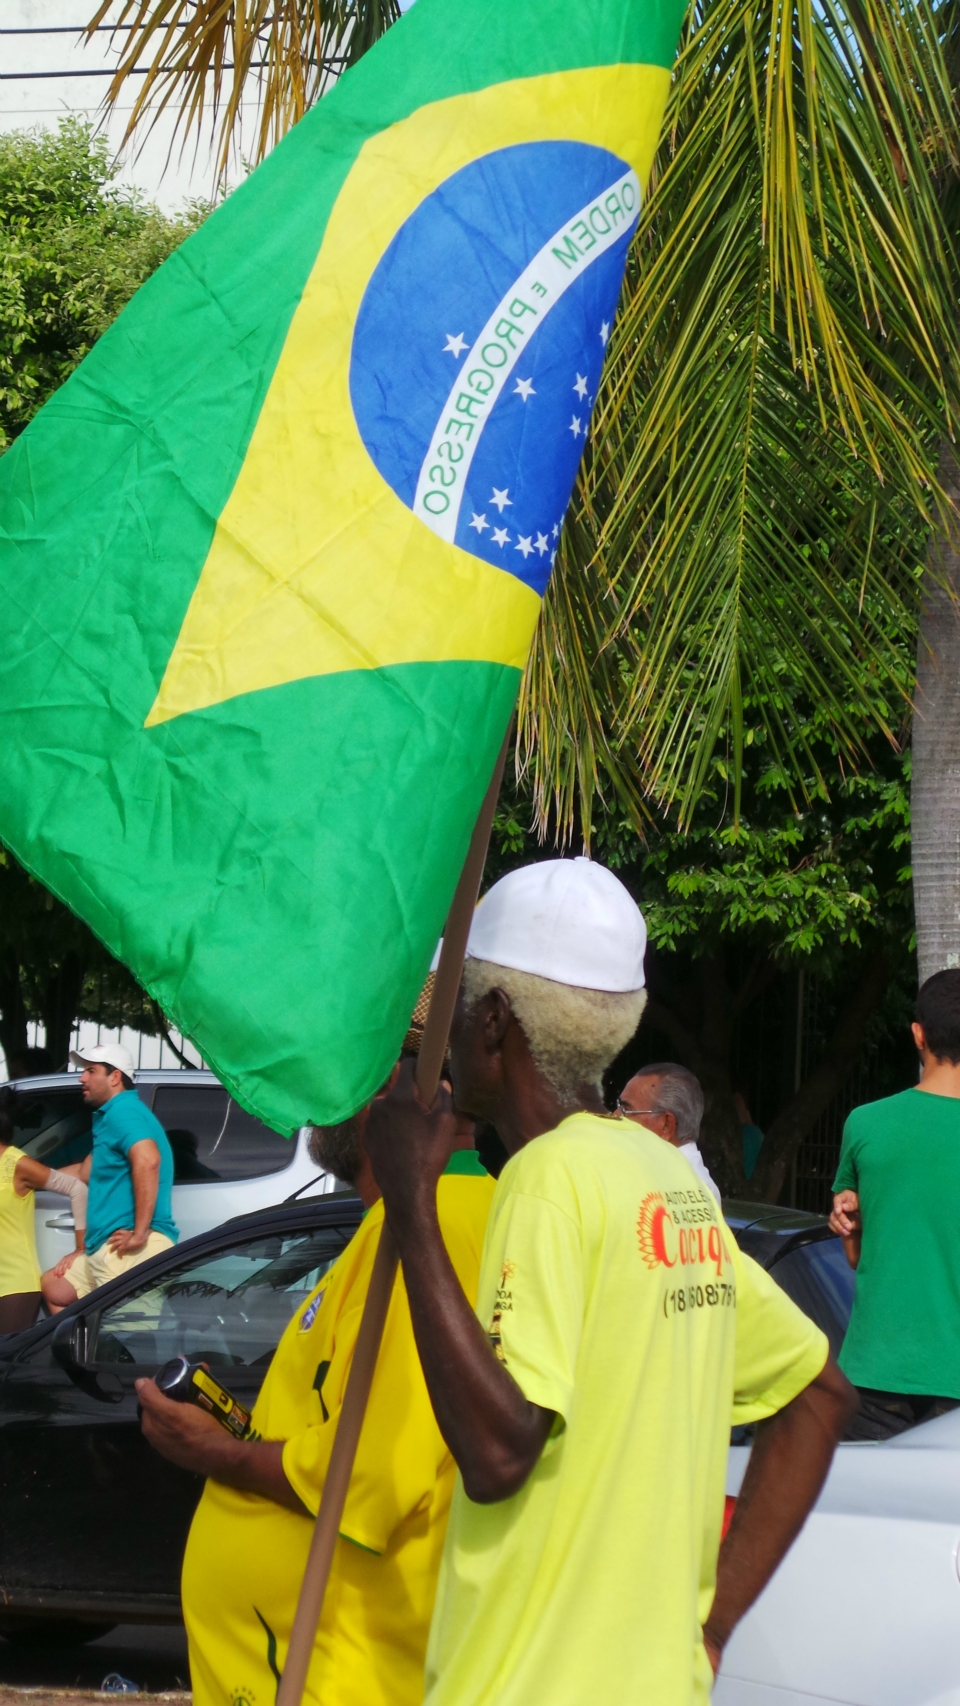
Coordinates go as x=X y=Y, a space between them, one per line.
x=896 y=1202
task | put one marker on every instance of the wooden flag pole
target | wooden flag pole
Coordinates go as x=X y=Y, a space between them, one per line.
x=433 y=1047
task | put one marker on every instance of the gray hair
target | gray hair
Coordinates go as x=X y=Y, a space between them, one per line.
x=573 y=1034
x=678 y=1093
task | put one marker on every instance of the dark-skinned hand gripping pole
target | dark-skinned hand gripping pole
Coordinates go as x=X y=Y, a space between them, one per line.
x=432 y=1049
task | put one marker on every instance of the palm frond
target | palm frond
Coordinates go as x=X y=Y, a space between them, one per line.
x=785 y=358
x=206 y=59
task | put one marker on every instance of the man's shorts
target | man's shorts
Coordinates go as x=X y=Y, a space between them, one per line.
x=89 y=1271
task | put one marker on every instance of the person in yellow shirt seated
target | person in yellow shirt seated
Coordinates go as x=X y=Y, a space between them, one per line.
x=248 y=1545
x=620 y=1333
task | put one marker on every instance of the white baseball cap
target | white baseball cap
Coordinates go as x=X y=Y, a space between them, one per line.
x=568 y=920
x=110 y=1054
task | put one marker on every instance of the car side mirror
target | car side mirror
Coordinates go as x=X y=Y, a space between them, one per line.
x=96 y=1383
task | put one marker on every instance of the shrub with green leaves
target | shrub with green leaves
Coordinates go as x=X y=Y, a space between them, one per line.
x=73 y=249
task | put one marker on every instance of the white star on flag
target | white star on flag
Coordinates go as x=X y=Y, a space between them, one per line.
x=604 y=333
x=525 y=545
x=556 y=530
x=575 y=426
x=524 y=389
x=455 y=345
x=541 y=543
x=501 y=499
x=500 y=536
x=479 y=522
x=580 y=386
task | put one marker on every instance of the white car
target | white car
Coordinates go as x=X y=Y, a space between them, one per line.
x=865 y=1608
x=226 y=1162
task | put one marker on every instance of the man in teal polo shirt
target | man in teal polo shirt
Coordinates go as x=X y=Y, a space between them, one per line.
x=130 y=1174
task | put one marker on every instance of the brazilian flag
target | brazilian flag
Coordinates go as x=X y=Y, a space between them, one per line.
x=272 y=558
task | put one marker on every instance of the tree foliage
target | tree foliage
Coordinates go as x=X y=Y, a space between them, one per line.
x=784 y=362
x=73 y=249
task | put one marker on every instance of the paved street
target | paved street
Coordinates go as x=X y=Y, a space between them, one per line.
x=155 y=1659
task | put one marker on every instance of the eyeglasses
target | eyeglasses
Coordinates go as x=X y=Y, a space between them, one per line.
x=633 y=1113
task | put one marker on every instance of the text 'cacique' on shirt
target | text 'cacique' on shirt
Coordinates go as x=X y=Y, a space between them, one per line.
x=617 y=1298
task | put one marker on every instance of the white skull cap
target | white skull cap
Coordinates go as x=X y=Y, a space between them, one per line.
x=568 y=920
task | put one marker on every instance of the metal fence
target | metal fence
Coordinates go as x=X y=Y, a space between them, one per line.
x=169 y=1049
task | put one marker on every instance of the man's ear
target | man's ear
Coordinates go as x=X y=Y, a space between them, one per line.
x=496 y=1019
x=919 y=1037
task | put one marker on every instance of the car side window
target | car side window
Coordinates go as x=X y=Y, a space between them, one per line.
x=52 y=1126
x=228 y=1308
x=821 y=1282
x=213 y=1139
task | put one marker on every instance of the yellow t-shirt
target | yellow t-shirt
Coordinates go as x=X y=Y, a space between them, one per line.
x=19 y=1268
x=245 y=1555
x=617 y=1298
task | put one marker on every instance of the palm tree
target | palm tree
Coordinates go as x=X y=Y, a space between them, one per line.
x=785 y=361
x=935 y=791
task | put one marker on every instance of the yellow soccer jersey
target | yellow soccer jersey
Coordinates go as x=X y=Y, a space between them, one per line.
x=245 y=1556
x=616 y=1297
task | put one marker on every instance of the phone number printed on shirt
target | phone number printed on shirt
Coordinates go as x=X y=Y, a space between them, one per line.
x=685 y=1297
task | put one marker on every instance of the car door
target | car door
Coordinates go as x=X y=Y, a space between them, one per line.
x=90 y=1515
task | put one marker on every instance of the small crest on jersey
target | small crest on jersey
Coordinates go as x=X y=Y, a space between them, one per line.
x=310 y=1313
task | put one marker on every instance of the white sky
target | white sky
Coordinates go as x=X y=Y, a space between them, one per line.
x=31 y=93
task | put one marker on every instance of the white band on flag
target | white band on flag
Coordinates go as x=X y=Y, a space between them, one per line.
x=495 y=353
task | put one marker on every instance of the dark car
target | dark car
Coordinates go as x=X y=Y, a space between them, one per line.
x=92 y=1522
x=803 y=1256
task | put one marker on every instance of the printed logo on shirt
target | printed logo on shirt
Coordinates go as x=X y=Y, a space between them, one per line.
x=679 y=1229
x=503 y=1304
x=310 y=1313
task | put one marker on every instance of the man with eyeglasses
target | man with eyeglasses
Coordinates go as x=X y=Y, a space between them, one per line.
x=667 y=1099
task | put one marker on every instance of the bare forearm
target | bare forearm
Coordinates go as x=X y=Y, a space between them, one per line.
x=146 y=1181
x=494 y=1434
x=788 y=1465
x=187 y=1436
x=851 y=1248
x=256 y=1466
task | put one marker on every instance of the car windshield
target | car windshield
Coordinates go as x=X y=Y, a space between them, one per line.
x=227 y=1309
x=820 y=1280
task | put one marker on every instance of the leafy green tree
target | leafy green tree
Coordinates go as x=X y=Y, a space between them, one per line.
x=73 y=249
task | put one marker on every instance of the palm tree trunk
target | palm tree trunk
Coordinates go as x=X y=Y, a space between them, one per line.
x=935 y=786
